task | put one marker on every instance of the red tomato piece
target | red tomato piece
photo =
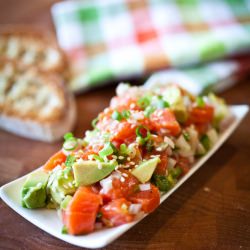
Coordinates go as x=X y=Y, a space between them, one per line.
x=116 y=212
x=162 y=166
x=124 y=102
x=201 y=114
x=56 y=159
x=80 y=215
x=150 y=199
x=124 y=132
x=165 y=119
x=122 y=189
x=184 y=164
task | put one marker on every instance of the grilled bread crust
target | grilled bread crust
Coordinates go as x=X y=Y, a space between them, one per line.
x=34 y=101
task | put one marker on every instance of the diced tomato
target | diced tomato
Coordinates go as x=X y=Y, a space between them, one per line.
x=184 y=164
x=124 y=132
x=150 y=199
x=90 y=150
x=80 y=214
x=116 y=212
x=57 y=159
x=162 y=166
x=122 y=189
x=165 y=119
x=201 y=128
x=201 y=114
x=124 y=102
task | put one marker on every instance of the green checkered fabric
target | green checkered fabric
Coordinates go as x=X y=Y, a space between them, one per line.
x=116 y=39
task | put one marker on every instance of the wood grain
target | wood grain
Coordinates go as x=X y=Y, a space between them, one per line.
x=210 y=211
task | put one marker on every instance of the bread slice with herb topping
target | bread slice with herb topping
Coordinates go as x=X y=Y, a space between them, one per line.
x=33 y=103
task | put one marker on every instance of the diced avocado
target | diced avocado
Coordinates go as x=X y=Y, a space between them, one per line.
x=180 y=113
x=173 y=96
x=65 y=202
x=34 y=190
x=60 y=184
x=145 y=170
x=90 y=172
x=161 y=182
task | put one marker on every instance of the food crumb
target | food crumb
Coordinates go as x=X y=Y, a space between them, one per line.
x=207 y=189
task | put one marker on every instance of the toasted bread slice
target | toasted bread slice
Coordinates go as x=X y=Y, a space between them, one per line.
x=30 y=46
x=34 y=104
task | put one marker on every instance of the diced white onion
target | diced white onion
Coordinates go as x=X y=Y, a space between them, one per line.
x=184 y=147
x=134 y=208
x=138 y=115
x=212 y=136
x=106 y=185
x=66 y=152
x=116 y=175
x=171 y=162
x=121 y=89
x=169 y=141
x=145 y=187
x=200 y=149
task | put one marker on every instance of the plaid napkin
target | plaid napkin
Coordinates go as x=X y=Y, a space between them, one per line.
x=117 y=39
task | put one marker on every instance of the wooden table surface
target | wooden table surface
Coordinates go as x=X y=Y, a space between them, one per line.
x=210 y=211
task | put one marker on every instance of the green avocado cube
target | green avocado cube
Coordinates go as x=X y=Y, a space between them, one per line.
x=60 y=184
x=145 y=170
x=90 y=172
x=34 y=190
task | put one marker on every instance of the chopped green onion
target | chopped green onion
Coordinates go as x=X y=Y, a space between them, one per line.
x=162 y=104
x=70 y=161
x=142 y=140
x=200 y=102
x=176 y=172
x=149 y=145
x=64 y=230
x=205 y=142
x=107 y=150
x=68 y=136
x=126 y=114
x=161 y=182
x=99 y=215
x=144 y=101
x=116 y=116
x=149 y=110
x=123 y=149
x=186 y=136
x=94 y=122
x=97 y=158
x=70 y=144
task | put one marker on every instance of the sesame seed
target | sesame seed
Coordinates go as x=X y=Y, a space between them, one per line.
x=128 y=158
x=114 y=156
x=159 y=149
x=120 y=157
x=124 y=174
x=122 y=179
x=160 y=113
x=132 y=163
x=132 y=105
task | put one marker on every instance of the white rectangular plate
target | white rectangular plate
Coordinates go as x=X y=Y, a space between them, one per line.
x=49 y=221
